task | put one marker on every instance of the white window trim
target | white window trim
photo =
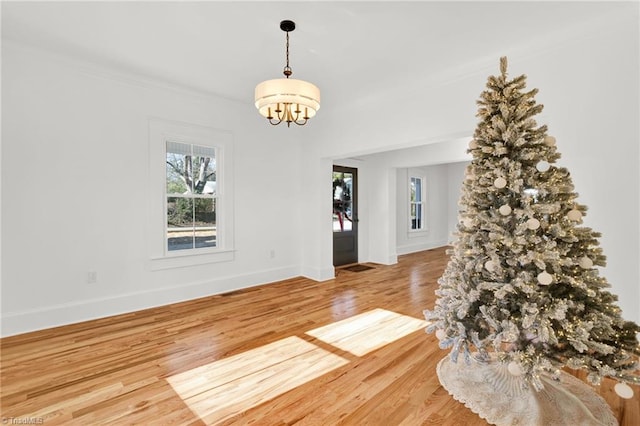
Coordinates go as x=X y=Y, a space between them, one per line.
x=161 y=131
x=412 y=233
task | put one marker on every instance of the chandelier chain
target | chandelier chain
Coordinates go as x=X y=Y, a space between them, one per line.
x=287 y=69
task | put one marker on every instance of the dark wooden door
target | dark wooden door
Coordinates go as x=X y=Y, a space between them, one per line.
x=345 y=215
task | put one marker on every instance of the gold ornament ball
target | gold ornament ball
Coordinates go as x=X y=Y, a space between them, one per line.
x=533 y=224
x=505 y=210
x=545 y=278
x=473 y=144
x=500 y=182
x=549 y=140
x=585 y=262
x=574 y=215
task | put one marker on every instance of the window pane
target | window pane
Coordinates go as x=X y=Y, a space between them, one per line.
x=342 y=201
x=179 y=168
x=190 y=169
x=412 y=188
x=179 y=148
x=180 y=233
x=412 y=216
x=204 y=175
x=418 y=216
x=177 y=177
x=203 y=151
x=415 y=187
x=205 y=222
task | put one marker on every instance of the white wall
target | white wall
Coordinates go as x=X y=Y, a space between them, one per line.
x=315 y=207
x=436 y=209
x=381 y=214
x=75 y=188
x=455 y=177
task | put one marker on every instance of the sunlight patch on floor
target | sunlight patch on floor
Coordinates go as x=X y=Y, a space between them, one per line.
x=368 y=331
x=227 y=387
x=224 y=388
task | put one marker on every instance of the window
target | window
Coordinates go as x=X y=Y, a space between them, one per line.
x=342 y=201
x=191 y=205
x=416 y=203
x=191 y=196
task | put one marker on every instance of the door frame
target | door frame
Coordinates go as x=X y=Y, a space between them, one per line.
x=350 y=237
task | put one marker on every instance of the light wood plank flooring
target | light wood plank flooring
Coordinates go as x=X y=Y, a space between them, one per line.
x=350 y=351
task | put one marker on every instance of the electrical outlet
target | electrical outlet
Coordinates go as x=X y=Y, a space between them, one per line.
x=272 y=253
x=92 y=277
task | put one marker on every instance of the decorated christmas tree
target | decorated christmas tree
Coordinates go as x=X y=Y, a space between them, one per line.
x=522 y=286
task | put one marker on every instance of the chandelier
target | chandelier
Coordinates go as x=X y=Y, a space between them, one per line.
x=287 y=99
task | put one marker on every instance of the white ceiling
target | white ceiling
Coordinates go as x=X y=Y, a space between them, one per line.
x=351 y=50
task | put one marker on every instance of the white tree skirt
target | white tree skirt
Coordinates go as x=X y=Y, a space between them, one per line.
x=497 y=396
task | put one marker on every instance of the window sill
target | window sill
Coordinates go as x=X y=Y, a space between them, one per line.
x=190 y=259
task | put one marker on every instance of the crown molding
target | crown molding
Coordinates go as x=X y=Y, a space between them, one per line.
x=112 y=72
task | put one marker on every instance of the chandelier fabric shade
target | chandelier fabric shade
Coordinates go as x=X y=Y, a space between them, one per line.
x=287 y=99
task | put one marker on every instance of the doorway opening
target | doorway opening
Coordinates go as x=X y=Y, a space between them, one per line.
x=345 y=215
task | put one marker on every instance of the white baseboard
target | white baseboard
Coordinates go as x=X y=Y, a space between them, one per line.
x=412 y=248
x=69 y=313
x=391 y=260
x=319 y=274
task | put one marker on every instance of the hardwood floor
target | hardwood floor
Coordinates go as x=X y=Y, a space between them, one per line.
x=350 y=351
